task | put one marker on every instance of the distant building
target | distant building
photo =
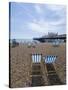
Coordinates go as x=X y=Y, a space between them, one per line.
x=52 y=37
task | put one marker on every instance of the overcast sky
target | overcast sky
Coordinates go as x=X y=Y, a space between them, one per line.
x=29 y=20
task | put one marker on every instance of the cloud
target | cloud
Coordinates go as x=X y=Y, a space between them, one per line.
x=56 y=7
x=50 y=12
x=57 y=10
x=37 y=19
x=37 y=26
x=45 y=26
x=38 y=9
x=51 y=19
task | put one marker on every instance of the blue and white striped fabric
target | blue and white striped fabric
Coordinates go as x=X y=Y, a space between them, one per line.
x=36 y=58
x=50 y=59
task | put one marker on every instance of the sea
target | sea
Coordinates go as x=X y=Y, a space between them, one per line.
x=23 y=40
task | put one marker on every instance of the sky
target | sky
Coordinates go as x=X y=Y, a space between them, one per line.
x=30 y=20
